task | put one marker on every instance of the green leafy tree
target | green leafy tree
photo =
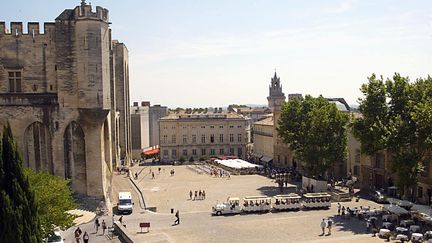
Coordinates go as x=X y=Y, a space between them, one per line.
x=53 y=191
x=316 y=131
x=371 y=129
x=19 y=221
x=410 y=128
x=397 y=117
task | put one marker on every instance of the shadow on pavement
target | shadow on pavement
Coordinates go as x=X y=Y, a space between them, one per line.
x=350 y=224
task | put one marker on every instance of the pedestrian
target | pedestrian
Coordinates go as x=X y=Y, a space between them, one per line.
x=190 y=195
x=368 y=226
x=177 y=215
x=339 y=208
x=203 y=194
x=86 y=237
x=77 y=234
x=196 y=195
x=173 y=172
x=153 y=175
x=323 y=225
x=103 y=227
x=136 y=176
x=159 y=169
x=97 y=224
x=200 y=195
x=343 y=211
x=329 y=225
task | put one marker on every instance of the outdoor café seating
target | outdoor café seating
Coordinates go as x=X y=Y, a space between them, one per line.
x=414 y=228
x=402 y=237
x=384 y=233
x=401 y=230
x=428 y=235
x=407 y=223
x=386 y=217
x=417 y=237
x=387 y=225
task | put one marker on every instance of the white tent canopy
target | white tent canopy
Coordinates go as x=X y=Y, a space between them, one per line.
x=237 y=163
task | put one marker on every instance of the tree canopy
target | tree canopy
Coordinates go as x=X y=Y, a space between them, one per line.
x=316 y=131
x=19 y=221
x=397 y=117
x=54 y=193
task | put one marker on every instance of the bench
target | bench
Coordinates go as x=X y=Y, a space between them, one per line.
x=145 y=225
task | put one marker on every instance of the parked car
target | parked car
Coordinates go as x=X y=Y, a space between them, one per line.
x=56 y=238
x=378 y=197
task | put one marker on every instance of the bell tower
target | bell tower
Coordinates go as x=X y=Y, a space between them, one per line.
x=276 y=96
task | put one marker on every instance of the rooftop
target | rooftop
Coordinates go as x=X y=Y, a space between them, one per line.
x=267 y=121
x=202 y=115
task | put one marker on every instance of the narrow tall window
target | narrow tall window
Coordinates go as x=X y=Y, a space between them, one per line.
x=221 y=138
x=194 y=139
x=15 y=82
x=212 y=138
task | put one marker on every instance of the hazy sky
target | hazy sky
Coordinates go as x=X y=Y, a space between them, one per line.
x=214 y=53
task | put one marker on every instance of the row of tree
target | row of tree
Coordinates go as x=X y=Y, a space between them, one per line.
x=396 y=118
x=32 y=203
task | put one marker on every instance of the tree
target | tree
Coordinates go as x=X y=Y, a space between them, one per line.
x=53 y=191
x=18 y=213
x=182 y=159
x=316 y=131
x=397 y=117
x=371 y=128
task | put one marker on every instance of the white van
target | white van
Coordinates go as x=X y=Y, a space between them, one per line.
x=124 y=202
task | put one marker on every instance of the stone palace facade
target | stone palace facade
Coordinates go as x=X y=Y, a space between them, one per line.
x=65 y=93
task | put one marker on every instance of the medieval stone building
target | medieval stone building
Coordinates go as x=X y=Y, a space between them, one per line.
x=65 y=93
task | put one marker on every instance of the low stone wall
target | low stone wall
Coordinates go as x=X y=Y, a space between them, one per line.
x=123 y=233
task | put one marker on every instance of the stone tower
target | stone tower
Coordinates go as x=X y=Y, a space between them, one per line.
x=58 y=90
x=276 y=96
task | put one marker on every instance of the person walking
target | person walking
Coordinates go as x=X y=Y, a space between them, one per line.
x=177 y=215
x=343 y=211
x=190 y=195
x=329 y=225
x=86 y=237
x=196 y=195
x=339 y=208
x=153 y=175
x=203 y=194
x=77 y=234
x=97 y=224
x=103 y=227
x=323 y=225
x=200 y=195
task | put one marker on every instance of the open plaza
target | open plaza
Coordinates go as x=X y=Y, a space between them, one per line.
x=165 y=192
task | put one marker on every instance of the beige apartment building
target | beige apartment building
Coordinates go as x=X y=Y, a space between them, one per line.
x=263 y=139
x=188 y=134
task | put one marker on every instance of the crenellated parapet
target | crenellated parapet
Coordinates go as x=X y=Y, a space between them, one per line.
x=85 y=12
x=33 y=28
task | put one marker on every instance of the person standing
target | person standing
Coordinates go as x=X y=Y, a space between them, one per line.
x=329 y=225
x=86 y=237
x=203 y=194
x=196 y=195
x=153 y=175
x=190 y=195
x=339 y=208
x=343 y=211
x=97 y=224
x=103 y=227
x=323 y=225
x=200 y=195
x=177 y=215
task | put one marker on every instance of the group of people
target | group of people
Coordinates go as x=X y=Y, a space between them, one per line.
x=78 y=233
x=98 y=224
x=220 y=173
x=329 y=226
x=199 y=195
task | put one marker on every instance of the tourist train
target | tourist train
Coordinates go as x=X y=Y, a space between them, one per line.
x=263 y=204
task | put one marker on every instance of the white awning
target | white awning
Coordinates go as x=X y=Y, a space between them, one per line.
x=395 y=209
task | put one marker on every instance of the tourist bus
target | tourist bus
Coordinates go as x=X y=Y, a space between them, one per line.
x=290 y=201
x=316 y=200
x=257 y=204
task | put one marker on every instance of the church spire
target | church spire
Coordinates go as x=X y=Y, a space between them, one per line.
x=276 y=95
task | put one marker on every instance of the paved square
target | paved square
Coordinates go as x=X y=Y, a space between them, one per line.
x=197 y=225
